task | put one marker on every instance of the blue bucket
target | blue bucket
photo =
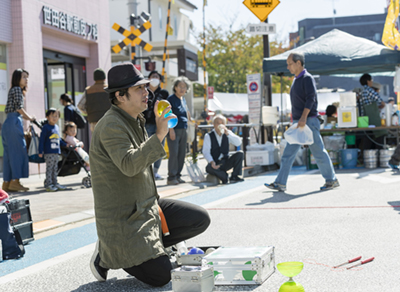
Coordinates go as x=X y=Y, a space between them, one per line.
x=349 y=157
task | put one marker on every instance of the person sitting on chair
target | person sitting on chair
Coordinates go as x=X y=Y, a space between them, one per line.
x=216 y=152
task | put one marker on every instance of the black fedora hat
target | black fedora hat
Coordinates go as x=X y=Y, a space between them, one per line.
x=123 y=76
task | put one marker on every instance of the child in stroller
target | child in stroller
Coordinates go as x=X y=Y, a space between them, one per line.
x=70 y=163
x=70 y=131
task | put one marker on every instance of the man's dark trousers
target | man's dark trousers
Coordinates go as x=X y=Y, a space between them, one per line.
x=234 y=161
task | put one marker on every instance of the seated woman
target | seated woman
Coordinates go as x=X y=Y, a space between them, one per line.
x=331 y=114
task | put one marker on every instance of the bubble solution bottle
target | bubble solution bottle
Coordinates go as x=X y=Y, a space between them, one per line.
x=181 y=248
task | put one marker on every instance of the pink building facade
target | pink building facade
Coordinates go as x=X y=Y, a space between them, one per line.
x=60 y=43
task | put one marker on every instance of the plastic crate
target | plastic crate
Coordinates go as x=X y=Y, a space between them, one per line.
x=259 y=158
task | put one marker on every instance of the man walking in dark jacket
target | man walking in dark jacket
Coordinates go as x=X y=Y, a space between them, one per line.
x=95 y=100
x=303 y=96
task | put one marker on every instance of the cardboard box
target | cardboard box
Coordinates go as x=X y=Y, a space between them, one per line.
x=241 y=265
x=347 y=117
x=259 y=158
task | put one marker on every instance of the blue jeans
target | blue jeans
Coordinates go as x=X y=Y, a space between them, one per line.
x=151 y=130
x=317 y=149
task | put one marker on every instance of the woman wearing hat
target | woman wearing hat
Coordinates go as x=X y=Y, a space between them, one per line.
x=127 y=205
x=15 y=157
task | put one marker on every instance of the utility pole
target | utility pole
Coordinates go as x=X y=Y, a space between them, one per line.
x=132 y=10
x=267 y=92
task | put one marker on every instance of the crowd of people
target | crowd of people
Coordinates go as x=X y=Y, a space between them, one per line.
x=127 y=145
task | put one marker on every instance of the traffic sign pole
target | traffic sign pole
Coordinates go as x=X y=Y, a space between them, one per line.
x=267 y=132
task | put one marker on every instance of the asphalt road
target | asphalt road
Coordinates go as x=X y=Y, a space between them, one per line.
x=320 y=229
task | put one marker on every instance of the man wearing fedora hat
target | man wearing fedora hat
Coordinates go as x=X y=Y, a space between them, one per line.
x=127 y=205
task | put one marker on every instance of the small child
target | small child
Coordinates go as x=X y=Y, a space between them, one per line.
x=70 y=131
x=49 y=145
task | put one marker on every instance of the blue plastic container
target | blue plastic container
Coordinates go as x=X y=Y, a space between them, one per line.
x=349 y=157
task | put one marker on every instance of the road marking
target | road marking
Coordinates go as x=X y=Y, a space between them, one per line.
x=45 y=225
x=294 y=208
x=34 y=269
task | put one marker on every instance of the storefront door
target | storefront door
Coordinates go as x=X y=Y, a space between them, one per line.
x=64 y=74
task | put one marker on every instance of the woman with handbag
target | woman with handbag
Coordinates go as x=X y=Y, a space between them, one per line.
x=15 y=157
x=177 y=137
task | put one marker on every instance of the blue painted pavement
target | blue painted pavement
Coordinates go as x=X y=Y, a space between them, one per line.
x=63 y=242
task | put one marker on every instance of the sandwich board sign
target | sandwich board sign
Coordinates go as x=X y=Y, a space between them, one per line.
x=254 y=98
x=261 y=8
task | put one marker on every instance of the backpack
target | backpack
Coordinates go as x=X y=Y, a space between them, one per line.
x=79 y=120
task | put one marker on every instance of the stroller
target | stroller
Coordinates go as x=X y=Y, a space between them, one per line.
x=70 y=163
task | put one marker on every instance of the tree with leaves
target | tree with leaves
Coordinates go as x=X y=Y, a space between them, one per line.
x=231 y=55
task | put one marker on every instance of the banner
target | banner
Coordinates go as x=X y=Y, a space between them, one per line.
x=391 y=35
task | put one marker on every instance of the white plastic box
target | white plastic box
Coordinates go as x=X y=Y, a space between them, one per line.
x=347 y=117
x=259 y=158
x=241 y=265
x=270 y=115
x=193 y=279
x=348 y=99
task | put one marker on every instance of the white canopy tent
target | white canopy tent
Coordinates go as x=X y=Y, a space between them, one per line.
x=238 y=104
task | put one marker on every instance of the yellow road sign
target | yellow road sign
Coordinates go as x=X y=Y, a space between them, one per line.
x=261 y=8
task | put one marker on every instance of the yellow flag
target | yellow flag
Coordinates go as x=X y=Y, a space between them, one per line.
x=170 y=30
x=205 y=3
x=391 y=36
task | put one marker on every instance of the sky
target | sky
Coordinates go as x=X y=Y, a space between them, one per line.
x=286 y=15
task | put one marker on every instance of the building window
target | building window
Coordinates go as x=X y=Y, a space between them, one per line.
x=160 y=16
x=301 y=35
x=191 y=65
x=175 y=26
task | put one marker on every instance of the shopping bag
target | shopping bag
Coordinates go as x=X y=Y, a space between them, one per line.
x=10 y=238
x=194 y=171
x=302 y=136
x=191 y=131
x=33 y=151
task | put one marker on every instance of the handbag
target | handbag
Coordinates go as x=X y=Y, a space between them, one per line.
x=191 y=131
x=11 y=240
x=33 y=151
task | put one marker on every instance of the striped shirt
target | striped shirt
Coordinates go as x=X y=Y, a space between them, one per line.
x=15 y=100
x=368 y=96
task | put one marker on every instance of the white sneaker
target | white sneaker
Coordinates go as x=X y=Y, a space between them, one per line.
x=51 y=188
x=60 y=187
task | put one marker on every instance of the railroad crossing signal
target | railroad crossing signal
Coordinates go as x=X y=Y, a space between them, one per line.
x=261 y=8
x=132 y=37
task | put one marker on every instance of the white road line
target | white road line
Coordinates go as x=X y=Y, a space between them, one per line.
x=46 y=264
